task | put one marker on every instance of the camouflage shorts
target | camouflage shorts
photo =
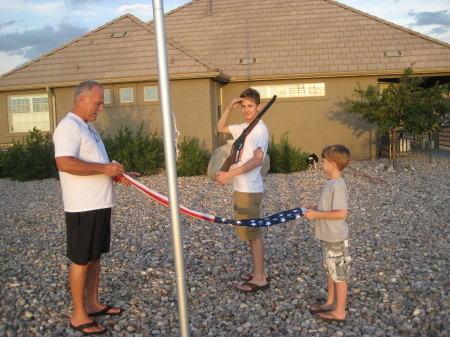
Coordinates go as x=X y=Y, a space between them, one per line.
x=336 y=260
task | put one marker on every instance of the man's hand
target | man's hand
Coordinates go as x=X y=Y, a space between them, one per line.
x=133 y=174
x=114 y=169
x=123 y=180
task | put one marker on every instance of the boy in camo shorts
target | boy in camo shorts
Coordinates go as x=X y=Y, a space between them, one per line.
x=332 y=229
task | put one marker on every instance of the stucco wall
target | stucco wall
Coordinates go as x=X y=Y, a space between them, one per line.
x=191 y=104
x=313 y=123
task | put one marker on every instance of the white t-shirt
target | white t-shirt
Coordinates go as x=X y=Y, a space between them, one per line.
x=333 y=197
x=73 y=137
x=251 y=181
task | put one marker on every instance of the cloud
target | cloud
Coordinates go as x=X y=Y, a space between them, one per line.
x=435 y=24
x=76 y=3
x=9 y=62
x=439 y=31
x=143 y=12
x=35 y=42
x=6 y=24
x=441 y=18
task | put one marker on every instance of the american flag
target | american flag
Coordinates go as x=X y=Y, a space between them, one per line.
x=271 y=220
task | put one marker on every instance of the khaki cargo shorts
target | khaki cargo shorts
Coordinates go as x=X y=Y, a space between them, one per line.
x=247 y=206
x=336 y=260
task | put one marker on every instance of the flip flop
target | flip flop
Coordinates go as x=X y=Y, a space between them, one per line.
x=317 y=308
x=331 y=319
x=81 y=327
x=253 y=287
x=248 y=277
x=105 y=312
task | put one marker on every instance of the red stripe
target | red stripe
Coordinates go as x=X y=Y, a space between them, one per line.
x=164 y=201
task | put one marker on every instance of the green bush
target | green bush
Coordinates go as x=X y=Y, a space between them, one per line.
x=30 y=159
x=286 y=158
x=193 y=158
x=2 y=167
x=137 y=153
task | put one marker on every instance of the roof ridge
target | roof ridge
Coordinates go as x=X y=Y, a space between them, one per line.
x=188 y=52
x=174 y=43
x=130 y=16
x=181 y=7
x=413 y=32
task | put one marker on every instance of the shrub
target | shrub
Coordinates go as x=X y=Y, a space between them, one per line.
x=137 y=153
x=286 y=158
x=193 y=158
x=30 y=159
x=2 y=165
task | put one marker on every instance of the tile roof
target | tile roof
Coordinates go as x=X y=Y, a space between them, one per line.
x=255 y=39
x=293 y=38
x=119 y=51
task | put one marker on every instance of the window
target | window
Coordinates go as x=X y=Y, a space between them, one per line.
x=150 y=93
x=107 y=93
x=28 y=111
x=126 y=95
x=291 y=90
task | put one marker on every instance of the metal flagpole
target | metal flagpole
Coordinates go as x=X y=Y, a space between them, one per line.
x=169 y=150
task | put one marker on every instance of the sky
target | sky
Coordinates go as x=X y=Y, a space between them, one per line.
x=30 y=28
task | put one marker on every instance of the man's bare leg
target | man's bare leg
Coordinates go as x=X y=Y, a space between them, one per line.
x=92 y=303
x=77 y=280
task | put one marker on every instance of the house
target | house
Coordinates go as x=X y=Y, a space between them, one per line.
x=310 y=53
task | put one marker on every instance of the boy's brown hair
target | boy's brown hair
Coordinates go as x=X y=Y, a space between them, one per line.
x=252 y=94
x=338 y=154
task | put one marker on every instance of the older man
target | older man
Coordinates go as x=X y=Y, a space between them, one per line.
x=86 y=176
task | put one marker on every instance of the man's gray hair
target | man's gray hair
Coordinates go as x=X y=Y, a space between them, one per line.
x=85 y=86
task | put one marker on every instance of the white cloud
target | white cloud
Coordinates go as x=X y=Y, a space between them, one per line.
x=141 y=11
x=8 y=62
x=406 y=13
x=28 y=14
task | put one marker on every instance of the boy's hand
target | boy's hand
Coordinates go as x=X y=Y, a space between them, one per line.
x=222 y=177
x=235 y=103
x=310 y=214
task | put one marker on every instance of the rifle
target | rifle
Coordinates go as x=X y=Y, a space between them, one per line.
x=238 y=145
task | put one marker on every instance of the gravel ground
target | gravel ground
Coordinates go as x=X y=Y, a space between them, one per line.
x=400 y=249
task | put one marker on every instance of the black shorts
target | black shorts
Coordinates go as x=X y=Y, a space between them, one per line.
x=88 y=235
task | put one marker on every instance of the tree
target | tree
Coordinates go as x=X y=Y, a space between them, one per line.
x=406 y=104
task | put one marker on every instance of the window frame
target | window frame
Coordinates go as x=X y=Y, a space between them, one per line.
x=145 y=95
x=43 y=123
x=133 y=100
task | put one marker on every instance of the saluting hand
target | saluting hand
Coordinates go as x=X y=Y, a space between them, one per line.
x=235 y=103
